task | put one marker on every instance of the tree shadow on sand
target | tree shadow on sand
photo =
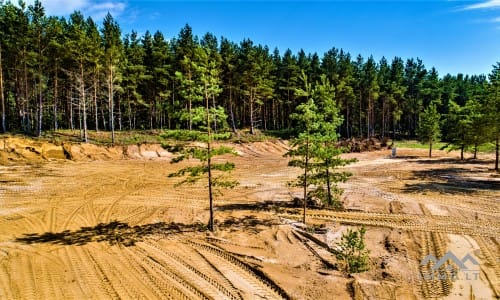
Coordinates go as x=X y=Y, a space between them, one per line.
x=452 y=180
x=249 y=223
x=455 y=161
x=114 y=232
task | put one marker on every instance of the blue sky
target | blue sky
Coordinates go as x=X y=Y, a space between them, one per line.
x=453 y=36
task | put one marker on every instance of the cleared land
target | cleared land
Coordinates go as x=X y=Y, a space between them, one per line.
x=104 y=227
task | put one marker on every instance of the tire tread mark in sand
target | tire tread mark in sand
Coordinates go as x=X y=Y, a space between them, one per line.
x=83 y=270
x=195 y=270
x=31 y=220
x=311 y=245
x=148 y=280
x=165 y=270
x=488 y=253
x=71 y=216
x=114 y=270
x=250 y=271
x=249 y=286
x=443 y=224
x=168 y=290
x=218 y=273
x=107 y=283
x=52 y=217
x=48 y=287
x=432 y=243
x=28 y=279
x=5 y=287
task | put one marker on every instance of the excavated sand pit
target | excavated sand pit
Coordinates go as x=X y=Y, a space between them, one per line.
x=111 y=224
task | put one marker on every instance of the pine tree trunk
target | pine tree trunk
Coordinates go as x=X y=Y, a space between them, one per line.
x=96 y=82
x=84 y=104
x=209 y=166
x=56 y=95
x=462 y=152
x=40 y=107
x=2 y=97
x=251 y=112
x=497 y=152
x=475 y=151
x=306 y=165
x=430 y=149
x=328 y=187
x=233 y=123
x=111 y=103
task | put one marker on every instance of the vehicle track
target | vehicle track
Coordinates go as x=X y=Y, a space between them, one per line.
x=253 y=277
x=489 y=251
x=205 y=282
x=444 y=224
x=186 y=288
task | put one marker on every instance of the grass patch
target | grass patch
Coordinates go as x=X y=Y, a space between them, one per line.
x=413 y=144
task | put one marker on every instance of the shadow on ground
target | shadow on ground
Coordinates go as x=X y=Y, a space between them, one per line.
x=452 y=180
x=114 y=232
x=248 y=223
x=455 y=161
x=119 y=233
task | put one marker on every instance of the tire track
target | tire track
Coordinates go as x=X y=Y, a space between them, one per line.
x=85 y=274
x=165 y=289
x=5 y=286
x=489 y=251
x=443 y=224
x=151 y=289
x=187 y=289
x=109 y=269
x=196 y=274
x=253 y=276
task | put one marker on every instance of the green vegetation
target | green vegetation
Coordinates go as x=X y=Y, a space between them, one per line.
x=207 y=117
x=352 y=251
x=72 y=74
x=315 y=149
x=428 y=127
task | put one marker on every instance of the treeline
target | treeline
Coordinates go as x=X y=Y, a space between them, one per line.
x=58 y=73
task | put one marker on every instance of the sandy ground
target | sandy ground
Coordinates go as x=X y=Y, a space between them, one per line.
x=118 y=228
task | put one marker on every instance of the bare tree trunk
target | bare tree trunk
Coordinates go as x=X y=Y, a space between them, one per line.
x=56 y=95
x=2 y=97
x=84 y=104
x=251 y=112
x=209 y=166
x=111 y=103
x=305 y=180
x=96 y=86
x=328 y=187
x=40 y=108
x=497 y=151
x=233 y=123
x=430 y=149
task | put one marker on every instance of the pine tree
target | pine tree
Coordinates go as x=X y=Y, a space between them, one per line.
x=113 y=56
x=212 y=172
x=352 y=251
x=302 y=146
x=325 y=151
x=492 y=110
x=428 y=129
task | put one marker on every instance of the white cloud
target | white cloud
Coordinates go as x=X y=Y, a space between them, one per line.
x=96 y=9
x=484 y=5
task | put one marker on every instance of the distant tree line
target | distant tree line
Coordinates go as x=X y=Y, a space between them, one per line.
x=70 y=73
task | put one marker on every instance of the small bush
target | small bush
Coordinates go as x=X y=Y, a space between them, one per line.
x=352 y=251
